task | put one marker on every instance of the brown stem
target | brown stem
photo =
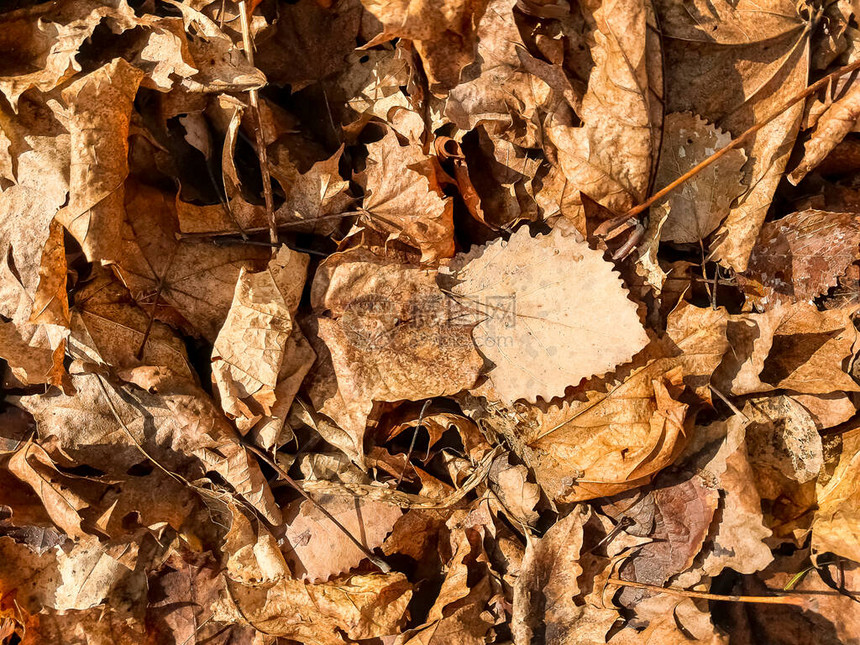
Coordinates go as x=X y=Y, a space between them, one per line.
x=764 y=600
x=660 y=194
x=258 y=129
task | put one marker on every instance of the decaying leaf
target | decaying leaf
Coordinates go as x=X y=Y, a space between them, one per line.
x=695 y=210
x=404 y=198
x=800 y=256
x=390 y=334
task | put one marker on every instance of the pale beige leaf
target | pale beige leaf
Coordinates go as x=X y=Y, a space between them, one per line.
x=698 y=207
x=88 y=573
x=554 y=312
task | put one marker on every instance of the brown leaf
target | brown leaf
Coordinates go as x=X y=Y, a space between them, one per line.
x=677 y=516
x=390 y=333
x=182 y=593
x=544 y=596
x=252 y=346
x=99 y=112
x=758 y=64
x=792 y=347
x=358 y=607
x=330 y=32
x=108 y=328
x=498 y=90
x=197 y=278
x=47 y=39
x=605 y=443
x=833 y=125
x=800 y=256
x=836 y=523
x=698 y=207
x=404 y=198
x=444 y=34
x=181 y=429
x=517 y=495
x=541 y=300
x=611 y=157
x=317 y=550
x=699 y=337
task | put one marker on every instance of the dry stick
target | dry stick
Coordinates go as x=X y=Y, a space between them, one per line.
x=764 y=600
x=258 y=130
x=734 y=143
x=383 y=566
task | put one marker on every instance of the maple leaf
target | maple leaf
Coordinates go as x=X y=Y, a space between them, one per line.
x=537 y=298
x=443 y=33
x=195 y=279
x=404 y=198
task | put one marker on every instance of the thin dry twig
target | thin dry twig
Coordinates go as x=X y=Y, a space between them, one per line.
x=258 y=127
x=614 y=226
x=763 y=600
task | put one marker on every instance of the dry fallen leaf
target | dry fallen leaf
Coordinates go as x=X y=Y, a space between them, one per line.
x=699 y=206
x=351 y=321
x=404 y=198
x=536 y=298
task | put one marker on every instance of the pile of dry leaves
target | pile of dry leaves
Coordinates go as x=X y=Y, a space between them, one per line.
x=335 y=321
